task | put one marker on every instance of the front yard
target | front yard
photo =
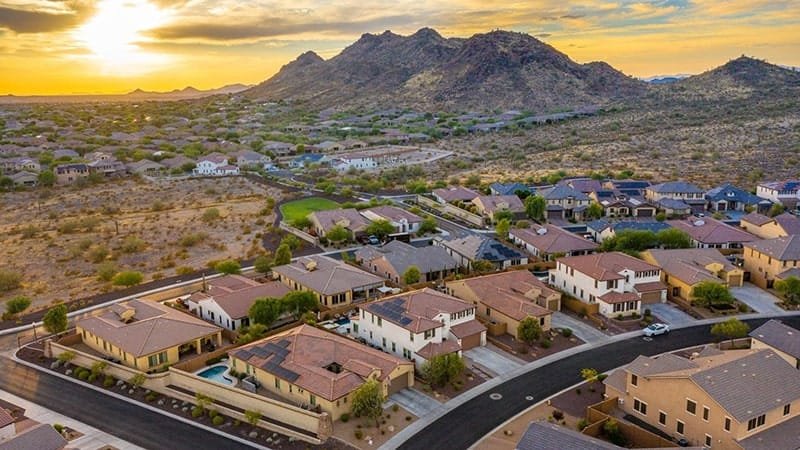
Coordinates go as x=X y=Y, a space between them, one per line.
x=551 y=342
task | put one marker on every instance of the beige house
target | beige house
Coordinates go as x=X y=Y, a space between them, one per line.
x=310 y=366
x=770 y=227
x=766 y=260
x=488 y=205
x=738 y=399
x=682 y=269
x=349 y=219
x=780 y=338
x=505 y=299
x=334 y=282
x=147 y=335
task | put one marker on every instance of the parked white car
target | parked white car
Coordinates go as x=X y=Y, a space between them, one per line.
x=654 y=329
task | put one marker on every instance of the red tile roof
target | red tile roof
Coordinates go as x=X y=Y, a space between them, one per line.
x=606 y=266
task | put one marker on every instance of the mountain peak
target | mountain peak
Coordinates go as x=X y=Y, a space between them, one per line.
x=309 y=57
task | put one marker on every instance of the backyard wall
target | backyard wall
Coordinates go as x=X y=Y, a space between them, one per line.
x=301 y=234
x=578 y=307
x=452 y=210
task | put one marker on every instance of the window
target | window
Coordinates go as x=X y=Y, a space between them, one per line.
x=394 y=348
x=727 y=424
x=312 y=399
x=380 y=322
x=662 y=417
x=634 y=380
x=708 y=441
x=640 y=406
x=787 y=409
x=679 y=427
x=383 y=342
x=706 y=413
x=411 y=336
x=691 y=407
x=756 y=422
x=277 y=384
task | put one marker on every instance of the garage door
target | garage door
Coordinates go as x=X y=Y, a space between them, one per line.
x=644 y=212
x=651 y=297
x=398 y=384
x=469 y=342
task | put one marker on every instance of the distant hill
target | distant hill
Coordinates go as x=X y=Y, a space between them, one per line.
x=739 y=78
x=497 y=70
x=186 y=93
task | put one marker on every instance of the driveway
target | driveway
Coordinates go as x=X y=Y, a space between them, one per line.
x=585 y=332
x=757 y=298
x=670 y=314
x=492 y=359
x=414 y=402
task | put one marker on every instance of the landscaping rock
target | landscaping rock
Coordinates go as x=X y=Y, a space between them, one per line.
x=68 y=372
x=55 y=365
x=131 y=391
x=160 y=403
x=292 y=439
x=253 y=435
x=390 y=428
x=175 y=406
x=269 y=439
x=120 y=382
x=146 y=391
x=185 y=408
x=277 y=442
x=274 y=435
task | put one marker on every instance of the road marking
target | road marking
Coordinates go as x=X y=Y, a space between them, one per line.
x=495 y=396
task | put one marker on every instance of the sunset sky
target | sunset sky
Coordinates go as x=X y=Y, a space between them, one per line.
x=115 y=46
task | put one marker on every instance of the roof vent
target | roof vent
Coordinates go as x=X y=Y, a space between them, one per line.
x=541 y=231
x=694 y=355
x=311 y=266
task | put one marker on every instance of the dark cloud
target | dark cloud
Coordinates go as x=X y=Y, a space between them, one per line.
x=25 y=21
x=544 y=35
x=271 y=27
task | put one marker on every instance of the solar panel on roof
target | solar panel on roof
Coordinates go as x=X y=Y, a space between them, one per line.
x=405 y=321
x=283 y=343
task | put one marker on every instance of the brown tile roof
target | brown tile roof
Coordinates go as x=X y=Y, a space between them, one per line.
x=438 y=348
x=785 y=248
x=647 y=366
x=393 y=213
x=649 y=287
x=455 y=193
x=326 y=275
x=689 y=265
x=618 y=297
x=415 y=311
x=154 y=327
x=512 y=293
x=39 y=437
x=756 y=219
x=5 y=418
x=606 y=266
x=552 y=239
x=237 y=303
x=302 y=355
x=469 y=328
x=711 y=231
x=779 y=336
x=349 y=218
x=494 y=203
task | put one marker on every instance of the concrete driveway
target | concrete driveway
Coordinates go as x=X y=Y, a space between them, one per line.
x=584 y=331
x=757 y=298
x=493 y=359
x=670 y=314
x=414 y=402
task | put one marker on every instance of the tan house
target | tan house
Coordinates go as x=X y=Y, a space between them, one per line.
x=505 y=299
x=770 y=227
x=147 y=335
x=488 y=205
x=738 y=399
x=310 y=366
x=682 y=269
x=70 y=173
x=706 y=232
x=549 y=241
x=334 y=282
x=780 y=338
x=766 y=260
x=349 y=219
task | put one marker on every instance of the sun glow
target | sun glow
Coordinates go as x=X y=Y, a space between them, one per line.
x=112 y=36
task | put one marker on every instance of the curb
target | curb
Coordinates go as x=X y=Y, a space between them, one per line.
x=139 y=404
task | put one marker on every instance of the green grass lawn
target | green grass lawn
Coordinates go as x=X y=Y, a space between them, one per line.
x=301 y=208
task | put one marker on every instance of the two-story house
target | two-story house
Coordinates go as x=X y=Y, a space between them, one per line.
x=706 y=232
x=565 y=202
x=215 y=164
x=766 y=260
x=785 y=192
x=730 y=198
x=419 y=325
x=781 y=338
x=69 y=173
x=770 y=227
x=547 y=242
x=617 y=282
x=466 y=251
x=393 y=259
x=348 y=218
x=668 y=196
x=489 y=205
x=226 y=301
x=683 y=269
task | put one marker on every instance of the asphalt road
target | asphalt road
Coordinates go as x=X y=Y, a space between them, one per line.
x=466 y=424
x=124 y=420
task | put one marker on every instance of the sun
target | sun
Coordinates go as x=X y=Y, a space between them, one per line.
x=113 y=33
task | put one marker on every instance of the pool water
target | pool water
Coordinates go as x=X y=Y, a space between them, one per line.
x=343 y=321
x=216 y=373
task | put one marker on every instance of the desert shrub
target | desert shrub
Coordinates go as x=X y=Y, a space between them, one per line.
x=213 y=413
x=133 y=244
x=197 y=412
x=359 y=434
x=345 y=417
x=211 y=215
x=127 y=278
x=192 y=239
x=558 y=415
x=109 y=381
x=546 y=343
x=84 y=374
x=9 y=280
x=98 y=253
x=58 y=427
x=566 y=332
x=395 y=407
x=91 y=377
x=184 y=270
x=583 y=423
x=408 y=418
x=218 y=420
x=151 y=397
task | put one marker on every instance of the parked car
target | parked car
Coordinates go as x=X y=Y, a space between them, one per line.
x=373 y=240
x=654 y=329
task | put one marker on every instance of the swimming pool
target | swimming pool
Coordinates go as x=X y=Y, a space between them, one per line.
x=217 y=373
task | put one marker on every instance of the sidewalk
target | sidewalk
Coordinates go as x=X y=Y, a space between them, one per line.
x=92 y=438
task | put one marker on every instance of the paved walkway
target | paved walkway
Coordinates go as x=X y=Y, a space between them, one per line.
x=414 y=402
x=758 y=299
x=92 y=438
x=583 y=331
x=670 y=314
x=491 y=359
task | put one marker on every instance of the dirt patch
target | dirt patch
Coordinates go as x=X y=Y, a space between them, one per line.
x=538 y=350
x=392 y=421
x=466 y=381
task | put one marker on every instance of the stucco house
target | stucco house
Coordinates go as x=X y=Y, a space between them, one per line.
x=565 y=202
x=547 y=242
x=395 y=257
x=454 y=194
x=465 y=251
x=766 y=260
x=227 y=300
x=780 y=338
x=348 y=218
x=706 y=232
x=681 y=191
x=785 y=192
x=765 y=227
x=730 y=198
x=215 y=164
x=683 y=269
x=404 y=222
x=489 y=205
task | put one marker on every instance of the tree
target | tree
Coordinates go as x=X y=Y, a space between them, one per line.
x=299 y=302
x=790 y=288
x=482 y=266
x=47 y=178
x=535 y=206
x=776 y=209
x=706 y=293
x=502 y=229
x=228 y=267
x=368 y=400
x=55 y=320
x=673 y=238
x=428 y=225
x=262 y=264
x=630 y=241
x=16 y=305
x=338 y=234
x=528 y=330
x=443 y=369
x=589 y=375
x=732 y=328
x=412 y=275
x=380 y=229
x=127 y=278
x=594 y=211
x=612 y=430
x=283 y=255
x=501 y=215
x=265 y=311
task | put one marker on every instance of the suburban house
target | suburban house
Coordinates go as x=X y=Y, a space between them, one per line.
x=618 y=203
x=564 y=202
x=69 y=173
x=681 y=191
x=785 y=192
x=543 y=435
x=145 y=167
x=780 y=338
x=488 y=205
x=683 y=269
x=632 y=187
x=107 y=166
x=37 y=436
x=310 y=366
x=602 y=229
x=585 y=185
x=278 y=148
x=730 y=198
x=404 y=222
x=454 y=194
x=307 y=159
x=249 y=158
x=706 y=232
x=147 y=335
x=737 y=399
x=467 y=250
x=617 y=282
x=395 y=257
x=419 y=325
x=548 y=242
x=226 y=300
x=504 y=299
x=348 y=218
x=24 y=178
x=334 y=282
x=766 y=260
x=215 y=164
x=178 y=162
x=764 y=227
x=675 y=208
x=508 y=189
